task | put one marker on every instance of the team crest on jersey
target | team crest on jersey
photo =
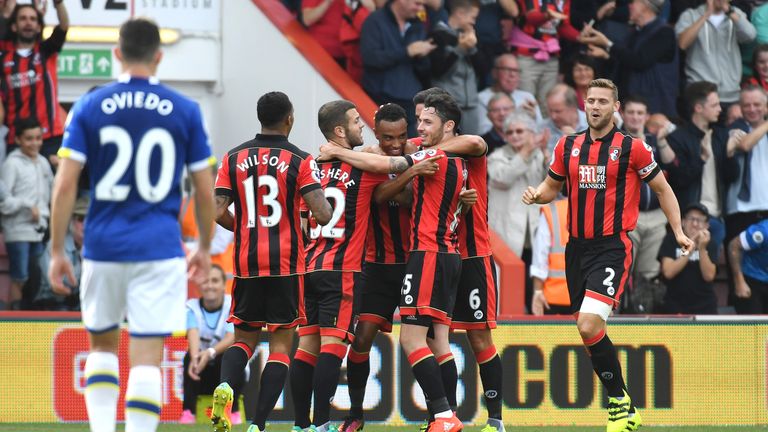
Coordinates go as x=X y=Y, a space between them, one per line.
x=614 y=152
x=591 y=177
x=421 y=154
x=575 y=152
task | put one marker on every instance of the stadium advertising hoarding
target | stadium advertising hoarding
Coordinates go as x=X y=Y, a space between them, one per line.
x=678 y=374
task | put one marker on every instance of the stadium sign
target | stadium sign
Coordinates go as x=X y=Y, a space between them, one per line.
x=185 y=15
x=672 y=370
x=85 y=63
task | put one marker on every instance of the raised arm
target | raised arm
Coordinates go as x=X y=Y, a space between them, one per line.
x=467 y=145
x=62 y=14
x=368 y=162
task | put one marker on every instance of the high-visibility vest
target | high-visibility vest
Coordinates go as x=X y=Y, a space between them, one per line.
x=555 y=287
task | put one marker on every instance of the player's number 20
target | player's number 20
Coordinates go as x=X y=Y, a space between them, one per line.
x=108 y=189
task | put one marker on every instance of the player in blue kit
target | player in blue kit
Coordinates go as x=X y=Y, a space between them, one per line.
x=136 y=136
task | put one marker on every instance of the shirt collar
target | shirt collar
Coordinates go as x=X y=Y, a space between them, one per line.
x=604 y=138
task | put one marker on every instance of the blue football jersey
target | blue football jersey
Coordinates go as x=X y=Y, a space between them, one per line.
x=754 y=263
x=135 y=136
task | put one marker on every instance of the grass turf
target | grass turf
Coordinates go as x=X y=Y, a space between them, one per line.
x=80 y=427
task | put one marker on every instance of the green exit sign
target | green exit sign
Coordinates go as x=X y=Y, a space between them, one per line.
x=85 y=63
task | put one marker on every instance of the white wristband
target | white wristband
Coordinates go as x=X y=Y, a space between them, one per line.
x=211 y=353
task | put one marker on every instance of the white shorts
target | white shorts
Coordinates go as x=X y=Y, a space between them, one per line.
x=152 y=294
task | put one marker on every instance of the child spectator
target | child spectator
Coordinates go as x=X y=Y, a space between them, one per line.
x=209 y=335
x=689 y=277
x=25 y=211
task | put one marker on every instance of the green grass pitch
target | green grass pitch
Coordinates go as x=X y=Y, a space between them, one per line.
x=80 y=427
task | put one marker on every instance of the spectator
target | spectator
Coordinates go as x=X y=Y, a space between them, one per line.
x=499 y=107
x=689 y=277
x=456 y=63
x=494 y=14
x=710 y=34
x=747 y=202
x=323 y=19
x=564 y=114
x=22 y=96
x=208 y=335
x=506 y=78
x=581 y=71
x=646 y=62
x=511 y=169
x=73 y=246
x=394 y=49
x=536 y=43
x=550 y=289
x=701 y=167
x=759 y=66
x=734 y=113
x=25 y=210
x=650 y=231
x=750 y=253
x=354 y=15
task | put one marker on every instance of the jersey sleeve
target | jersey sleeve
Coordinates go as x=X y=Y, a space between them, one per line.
x=223 y=182
x=642 y=161
x=309 y=176
x=199 y=156
x=754 y=237
x=557 y=164
x=73 y=145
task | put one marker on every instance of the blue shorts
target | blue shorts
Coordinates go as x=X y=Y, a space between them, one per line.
x=19 y=256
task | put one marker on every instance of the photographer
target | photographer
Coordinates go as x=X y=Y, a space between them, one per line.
x=456 y=62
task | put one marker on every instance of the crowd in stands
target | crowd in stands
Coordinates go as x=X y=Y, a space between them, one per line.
x=693 y=77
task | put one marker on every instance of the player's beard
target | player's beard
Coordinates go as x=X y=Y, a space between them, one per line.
x=433 y=139
x=599 y=123
x=354 y=139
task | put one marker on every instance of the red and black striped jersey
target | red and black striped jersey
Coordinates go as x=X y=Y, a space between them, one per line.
x=436 y=208
x=29 y=86
x=266 y=177
x=389 y=233
x=603 y=181
x=340 y=244
x=474 y=236
x=536 y=23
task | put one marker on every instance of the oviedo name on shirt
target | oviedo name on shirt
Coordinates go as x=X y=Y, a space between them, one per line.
x=138 y=100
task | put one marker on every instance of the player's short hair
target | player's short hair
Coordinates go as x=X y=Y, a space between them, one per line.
x=454 y=5
x=697 y=93
x=445 y=107
x=332 y=114
x=11 y=35
x=421 y=97
x=139 y=40
x=23 y=124
x=606 y=84
x=390 y=112
x=272 y=108
x=637 y=99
